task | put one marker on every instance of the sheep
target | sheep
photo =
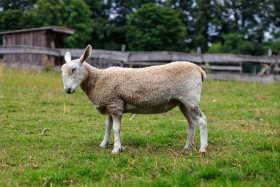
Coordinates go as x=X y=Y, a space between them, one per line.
x=157 y=89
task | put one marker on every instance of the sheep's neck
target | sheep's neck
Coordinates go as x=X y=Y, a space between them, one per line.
x=91 y=77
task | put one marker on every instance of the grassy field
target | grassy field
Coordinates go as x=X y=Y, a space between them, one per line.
x=50 y=138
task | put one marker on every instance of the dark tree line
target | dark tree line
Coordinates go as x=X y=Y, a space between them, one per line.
x=217 y=26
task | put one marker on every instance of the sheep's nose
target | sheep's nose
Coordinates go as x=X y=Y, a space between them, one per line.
x=68 y=90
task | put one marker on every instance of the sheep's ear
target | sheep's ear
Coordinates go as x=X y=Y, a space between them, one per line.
x=67 y=57
x=86 y=54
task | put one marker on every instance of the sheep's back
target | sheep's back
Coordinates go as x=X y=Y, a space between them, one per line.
x=151 y=86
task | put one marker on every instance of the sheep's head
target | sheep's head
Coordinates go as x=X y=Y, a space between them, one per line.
x=73 y=70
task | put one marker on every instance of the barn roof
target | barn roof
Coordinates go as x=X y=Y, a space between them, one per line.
x=54 y=28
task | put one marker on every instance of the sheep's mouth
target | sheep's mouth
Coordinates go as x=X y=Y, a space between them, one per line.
x=70 y=91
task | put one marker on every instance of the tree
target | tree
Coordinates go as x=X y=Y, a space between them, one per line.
x=274 y=17
x=155 y=28
x=10 y=19
x=274 y=45
x=14 y=16
x=109 y=21
x=203 y=20
x=249 y=18
x=235 y=43
x=67 y=13
x=103 y=27
x=17 y=4
x=208 y=20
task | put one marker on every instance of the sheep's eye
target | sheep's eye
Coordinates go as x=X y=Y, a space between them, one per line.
x=73 y=69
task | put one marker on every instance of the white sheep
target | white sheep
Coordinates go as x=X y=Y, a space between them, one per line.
x=115 y=91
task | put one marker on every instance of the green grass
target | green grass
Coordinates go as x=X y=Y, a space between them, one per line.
x=48 y=137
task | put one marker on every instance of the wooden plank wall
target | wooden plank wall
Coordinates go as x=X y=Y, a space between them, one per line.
x=37 y=38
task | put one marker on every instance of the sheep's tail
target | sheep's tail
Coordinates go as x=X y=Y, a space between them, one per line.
x=203 y=74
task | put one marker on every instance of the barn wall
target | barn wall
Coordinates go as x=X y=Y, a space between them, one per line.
x=37 y=38
x=40 y=38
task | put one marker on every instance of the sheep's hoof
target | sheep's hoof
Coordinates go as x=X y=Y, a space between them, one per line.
x=203 y=149
x=115 y=151
x=187 y=147
x=103 y=146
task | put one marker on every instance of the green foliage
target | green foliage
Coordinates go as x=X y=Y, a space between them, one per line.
x=204 y=17
x=17 y=4
x=104 y=23
x=275 y=17
x=107 y=34
x=109 y=21
x=275 y=46
x=16 y=14
x=236 y=44
x=51 y=138
x=155 y=28
x=10 y=19
x=208 y=20
x=67 y=13
x=102 y=37
x=215 y=48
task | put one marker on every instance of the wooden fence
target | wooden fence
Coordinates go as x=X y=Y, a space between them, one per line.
x=217 y=66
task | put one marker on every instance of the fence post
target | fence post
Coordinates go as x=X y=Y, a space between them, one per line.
x=269 y=52
x=276 y=68
x=123 y=50
x=198 y=50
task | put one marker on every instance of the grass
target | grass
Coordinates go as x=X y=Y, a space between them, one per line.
x=48 y=138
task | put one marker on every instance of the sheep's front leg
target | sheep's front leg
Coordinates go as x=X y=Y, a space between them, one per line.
x=116 y=129
x=108 y=128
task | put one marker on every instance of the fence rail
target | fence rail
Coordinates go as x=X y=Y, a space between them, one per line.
x=218 y=66
x=143 y=56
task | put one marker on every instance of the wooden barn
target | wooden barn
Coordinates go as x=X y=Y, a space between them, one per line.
x=50 y=37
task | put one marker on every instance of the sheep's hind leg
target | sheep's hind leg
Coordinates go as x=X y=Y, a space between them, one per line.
x=116 y=129
x=197 y=114
x=192 y=126
x=108 y=127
